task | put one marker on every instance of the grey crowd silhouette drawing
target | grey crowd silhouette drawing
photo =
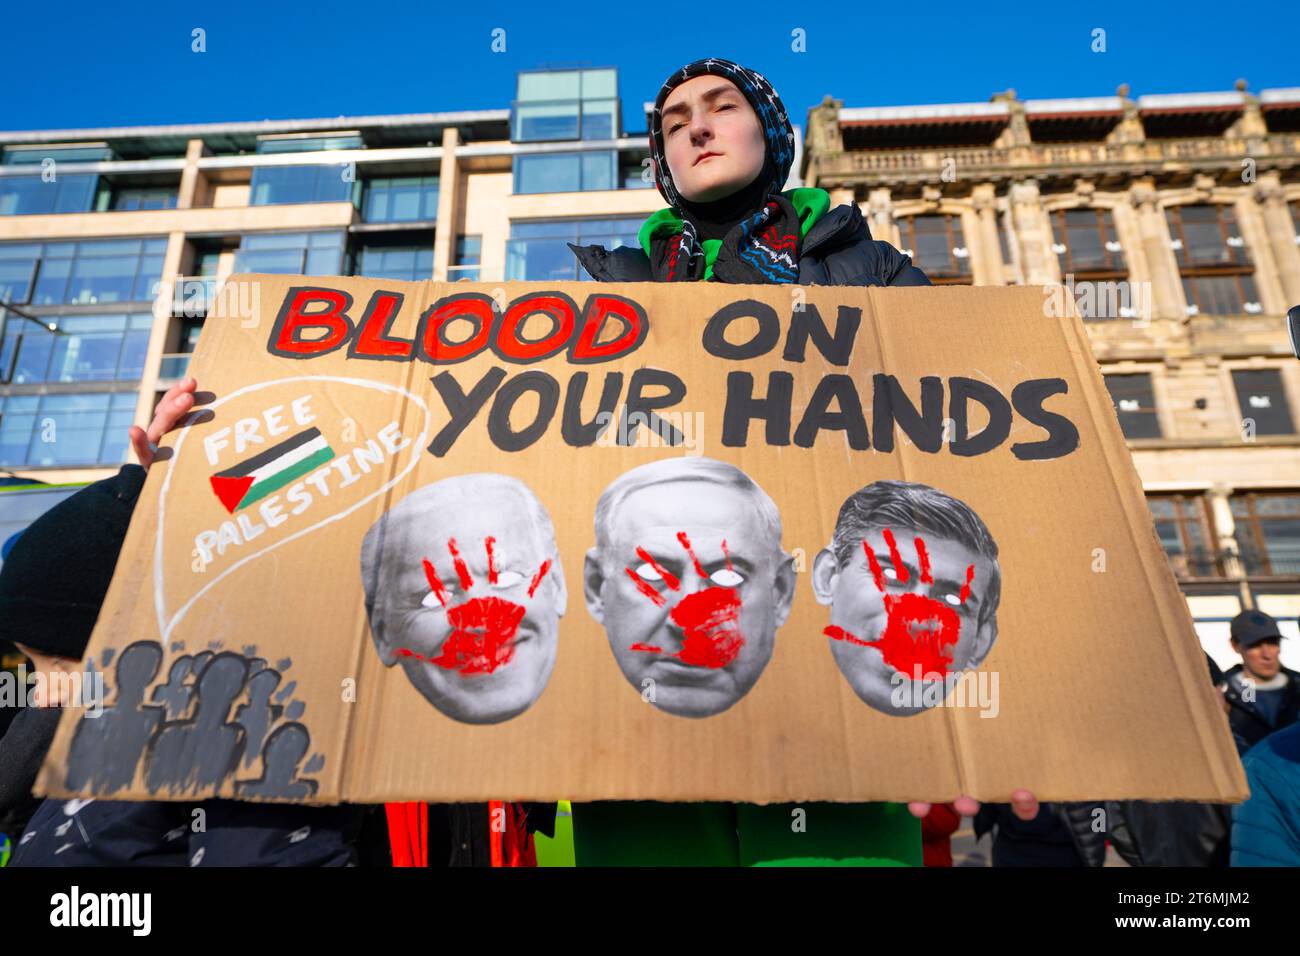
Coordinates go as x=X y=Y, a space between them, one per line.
x=193 y=733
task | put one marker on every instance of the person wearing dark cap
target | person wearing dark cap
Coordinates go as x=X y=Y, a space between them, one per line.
x=1262 y=695
x=722 y=147
x=51 y=588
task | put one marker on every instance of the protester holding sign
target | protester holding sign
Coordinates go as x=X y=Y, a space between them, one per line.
x=448 y=424
x=722 y=147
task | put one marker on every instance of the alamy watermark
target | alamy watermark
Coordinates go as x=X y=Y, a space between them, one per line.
x=977 y=689
x=667 y=429
x=21 y=688
x=1100 y=300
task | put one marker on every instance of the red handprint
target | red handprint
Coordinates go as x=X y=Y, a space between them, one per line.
x=708 y=618
x=919 y=631
x=483 y=628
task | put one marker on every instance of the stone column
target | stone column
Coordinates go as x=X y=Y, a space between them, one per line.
x=880 y=216
x=1254 y=230
x=823 y=138
x=1225 y=529
x=194 y=187
x=986 y=250
x=841 y=196
x=1162 y=267
x=444 y=238
x=1034 y=234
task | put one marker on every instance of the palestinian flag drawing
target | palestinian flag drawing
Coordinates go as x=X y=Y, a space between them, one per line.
x=255 y=478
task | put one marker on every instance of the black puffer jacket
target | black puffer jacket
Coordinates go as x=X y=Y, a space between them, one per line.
x=1063 y=834
x=1249 y=725
x=838 y=250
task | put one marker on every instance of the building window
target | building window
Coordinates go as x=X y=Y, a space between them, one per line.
x=1185 y=528
x=1135 y=404
x=1087 y=242
x=1213 y=262
x=292 y=253
x=937 y=246
x=47 y=189
x=319 y=182
x=555 y=105
x=31 y=196
x=67 y=430
x=81 y=273
x=81 y=348
x=1262 y=400
x=539 y=250
x=638 y=176
x=18 y=261
x=409 y=263
x=1004 y=237
x=1268 y=532
x=565 y=172
x=401 y=199
x=144 y=197
x=1088 y=249
x=190 y=331
x=469 y=251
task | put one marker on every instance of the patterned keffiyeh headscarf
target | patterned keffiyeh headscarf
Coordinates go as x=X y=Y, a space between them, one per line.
x=763 y=247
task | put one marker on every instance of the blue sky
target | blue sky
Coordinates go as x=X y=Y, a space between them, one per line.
x=79 y=64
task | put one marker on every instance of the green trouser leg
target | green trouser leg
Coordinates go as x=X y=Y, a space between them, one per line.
x=645 y=833
x=618 y=833
x=828 y=834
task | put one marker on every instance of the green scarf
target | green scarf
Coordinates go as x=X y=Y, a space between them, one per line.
x=810 y=204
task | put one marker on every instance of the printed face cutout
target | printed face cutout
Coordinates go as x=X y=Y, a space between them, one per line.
x=465 y=593
x=911 y=609
x=691 y=588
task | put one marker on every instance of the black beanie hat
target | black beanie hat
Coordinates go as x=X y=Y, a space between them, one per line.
x=777 y=131
x=57 y=572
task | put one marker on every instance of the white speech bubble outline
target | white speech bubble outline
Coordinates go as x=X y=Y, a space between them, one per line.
x=165 y=627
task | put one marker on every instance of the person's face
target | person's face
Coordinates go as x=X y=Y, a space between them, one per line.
x=50 y=692
x=1263 y=660
x=470 y=602
x=691 y=594
x=913 y=609
x=713 y=141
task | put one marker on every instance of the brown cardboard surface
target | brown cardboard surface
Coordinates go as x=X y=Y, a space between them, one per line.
x=1095 y=686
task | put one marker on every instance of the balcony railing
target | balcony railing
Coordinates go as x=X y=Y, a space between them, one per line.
x=174 y=366
x=1197 y=564
x=1258 y=563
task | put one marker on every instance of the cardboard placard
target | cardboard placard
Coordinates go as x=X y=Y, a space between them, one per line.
x=647 y=541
